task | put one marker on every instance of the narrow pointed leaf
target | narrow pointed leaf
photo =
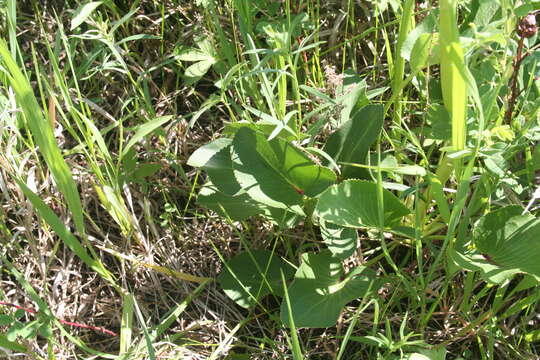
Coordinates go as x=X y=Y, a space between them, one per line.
x=351 y=142
x=145 y=129
x=83 y=12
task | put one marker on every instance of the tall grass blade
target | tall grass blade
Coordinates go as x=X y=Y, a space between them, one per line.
x=453 y=84
x=126 y=326
x=405 y=26
x=43 y=134
x=297 y=351
x=144 y=130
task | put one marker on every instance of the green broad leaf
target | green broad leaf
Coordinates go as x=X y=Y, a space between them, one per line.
x=144 y=130
x=29 y=330
x=13 y=331
x=509 y=240
x=204 y=154
x=427 y=26
x=351 y=142
x=193 y=55
x=250 y=276
x=471 y=260
x=527 y=8
x=236 y=207
x=232 y=128
x=353 y=99
x=485 y=12
x=405 y=231
x=441 y=126
x=275 y=33
x=427 y=354
x=283 y=218
x=6 y=320
x=45 y=330
x=390 y=164
x=276 y=173
x=215 y=159
x=145 y=170
x=19 y=314
x=341 y=241
x=278 y=33
x=321 y=289
x=196 y=71
x=425 y=51
x=83 y=12
x=11 y=345
x=353 y=203
x=278 y=128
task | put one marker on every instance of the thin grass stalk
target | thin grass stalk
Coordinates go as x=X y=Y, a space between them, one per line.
x=11 y=8
x=405 y=26
x=295 y=343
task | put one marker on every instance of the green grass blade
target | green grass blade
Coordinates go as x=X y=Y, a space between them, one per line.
x=405 y=26
x=144 y=130
x=296 y=350
x=169 y=319
x=126 y=326
x=147 y=339
x=453 y=84
x=44 y=137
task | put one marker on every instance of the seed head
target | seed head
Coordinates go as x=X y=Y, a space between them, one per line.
x=527 y=26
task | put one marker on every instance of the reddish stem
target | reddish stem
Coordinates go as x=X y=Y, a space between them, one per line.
x=69 y=323
x=513 y=81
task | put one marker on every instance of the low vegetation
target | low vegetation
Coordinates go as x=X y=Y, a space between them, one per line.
x=230 y=179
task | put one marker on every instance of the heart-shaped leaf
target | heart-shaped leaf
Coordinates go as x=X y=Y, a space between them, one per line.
x=321 y=289
x=276 y=173
x=353 y=203
x=509 y=240
x=252 y=275
x=341 y=241
x=351 y=142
